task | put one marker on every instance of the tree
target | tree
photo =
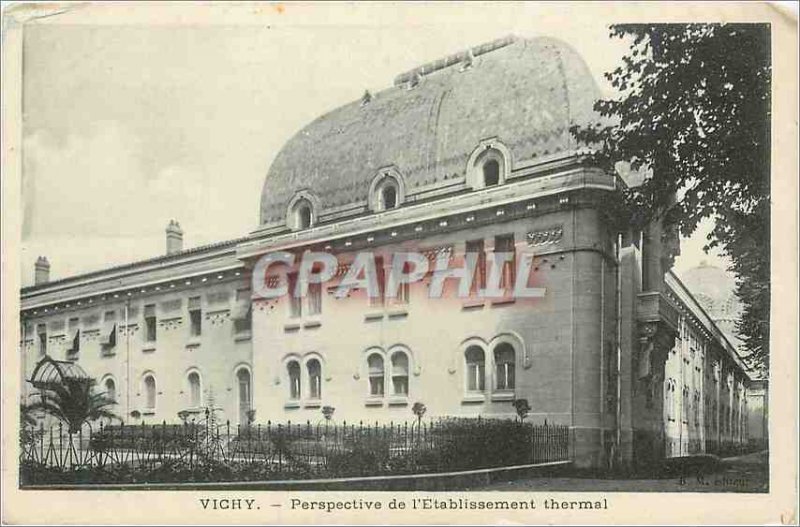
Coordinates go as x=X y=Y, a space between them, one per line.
x=74 y=402
x=694 y=115
x=522 y=407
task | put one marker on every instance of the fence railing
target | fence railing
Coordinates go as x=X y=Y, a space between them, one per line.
x=208 y=451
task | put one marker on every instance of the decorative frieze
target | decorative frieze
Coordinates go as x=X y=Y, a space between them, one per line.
x=90 y=335
x=265 y=305
x=170 y=323
x=217 y=317
x=128 y=330
x=545 y=236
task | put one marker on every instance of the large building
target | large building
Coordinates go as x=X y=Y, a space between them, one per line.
x=470 y=154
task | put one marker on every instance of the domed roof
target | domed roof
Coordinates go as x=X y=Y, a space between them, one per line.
x=714 y=289
x=525 y=93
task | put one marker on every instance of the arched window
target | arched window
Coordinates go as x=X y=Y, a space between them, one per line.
x=243 y=380
x=399 y=373
x=293 y=368
x=303 y=215
x=504 y=362
x=194 y=389
x=387 y=191
x=388 y=197
x=491 y=173
x=476 y=369
x=375 y=366
x=150 y=392
x=111 y=389
x=314 y=379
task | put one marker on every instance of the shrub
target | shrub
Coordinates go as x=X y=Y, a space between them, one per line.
x=361 y=455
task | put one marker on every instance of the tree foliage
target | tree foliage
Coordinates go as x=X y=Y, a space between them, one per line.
x=74 y=402
x=694 y=115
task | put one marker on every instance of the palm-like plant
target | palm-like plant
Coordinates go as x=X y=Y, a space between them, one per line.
x=74 y=402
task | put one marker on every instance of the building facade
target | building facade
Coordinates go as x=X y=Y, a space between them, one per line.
x=468 y=155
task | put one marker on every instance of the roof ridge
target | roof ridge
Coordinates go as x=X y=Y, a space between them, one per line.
x=134 y=264
x=454 y=58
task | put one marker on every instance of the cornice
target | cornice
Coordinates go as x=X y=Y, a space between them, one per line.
x=702 y=320
x=450 y=213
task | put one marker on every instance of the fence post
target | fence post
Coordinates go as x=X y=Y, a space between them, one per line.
x=268 y=442
x=80 y=446
x=280 y=449
x=60 y=444
x=41 y=442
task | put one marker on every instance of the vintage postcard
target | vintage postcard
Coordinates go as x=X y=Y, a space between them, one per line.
x=399 y=263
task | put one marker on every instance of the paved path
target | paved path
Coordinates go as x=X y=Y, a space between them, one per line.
x=748 y=473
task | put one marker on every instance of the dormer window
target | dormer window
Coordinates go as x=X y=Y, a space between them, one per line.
x=491 y=173
x=387 y=190
x=301 y=213
x=303 y=216
x=488 y=166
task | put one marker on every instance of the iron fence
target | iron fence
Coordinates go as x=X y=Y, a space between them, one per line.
x=221 y=451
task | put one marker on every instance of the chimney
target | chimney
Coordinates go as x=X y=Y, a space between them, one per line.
x=41 y=271
x=174 y=237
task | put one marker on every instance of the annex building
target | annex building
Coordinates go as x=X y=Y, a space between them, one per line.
x=468 y=154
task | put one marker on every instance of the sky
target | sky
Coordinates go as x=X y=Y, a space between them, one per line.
x=129 y=123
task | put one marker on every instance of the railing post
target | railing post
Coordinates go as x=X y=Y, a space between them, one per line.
x=60 y=444
x=280 y=449
x=41 y=443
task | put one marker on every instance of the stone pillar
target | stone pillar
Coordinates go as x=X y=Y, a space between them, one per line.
x=656 y=339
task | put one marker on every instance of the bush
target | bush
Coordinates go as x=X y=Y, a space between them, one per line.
x=185 y=454
x=361 y=455
x=465 y=444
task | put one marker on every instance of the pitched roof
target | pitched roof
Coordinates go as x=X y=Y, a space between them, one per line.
x=527 y=93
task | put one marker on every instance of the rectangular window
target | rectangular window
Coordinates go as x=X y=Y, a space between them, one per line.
x=505 y=376
x=376 y=385
x=243 y=295
x=314 y=379
x=243 y=312
x=376 y=375
x=400 y=383
x=41 y=330
x=75 y=332
x=245 y=322
x=380 y=275
x=404 y=289
x=294 y=380
x=505 y=244
x=479 y=279
x=195 y=317
x=400 y=373
x=668 y=399
x=314 y=299
x=476 y=373
x=295 y=303
x=150 y=323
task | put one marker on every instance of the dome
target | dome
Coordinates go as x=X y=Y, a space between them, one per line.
x=714 y=289
x=522 y=93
